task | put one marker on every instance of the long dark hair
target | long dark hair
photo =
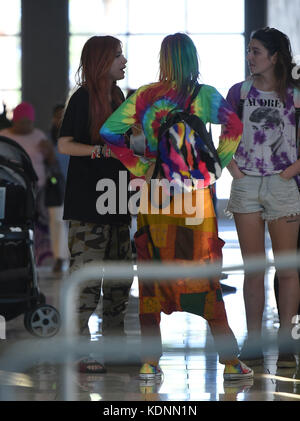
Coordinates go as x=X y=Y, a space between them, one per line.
x=97 y=56
x=276 y=41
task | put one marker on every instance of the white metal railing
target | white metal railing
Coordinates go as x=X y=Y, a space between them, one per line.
x=66 y=344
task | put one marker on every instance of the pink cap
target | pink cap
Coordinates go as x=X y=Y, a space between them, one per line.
x=23 y=110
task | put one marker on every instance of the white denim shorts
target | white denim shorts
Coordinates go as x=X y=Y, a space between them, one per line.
x=271 y=195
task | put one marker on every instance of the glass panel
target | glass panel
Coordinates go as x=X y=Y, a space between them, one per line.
x=215 y=16
x=10 y=47
x=143 y=59
x=222 y=64
x=76 y=45
x=222 y=60
x=10 y=17
x=98 y=16
x=11 y=98
x=156 y=16
x=10 y=69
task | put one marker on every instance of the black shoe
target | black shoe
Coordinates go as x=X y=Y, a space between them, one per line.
x=286 y=361
x=226 y=289
x=90 y=366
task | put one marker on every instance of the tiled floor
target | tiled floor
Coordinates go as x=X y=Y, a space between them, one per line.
x=190 y=365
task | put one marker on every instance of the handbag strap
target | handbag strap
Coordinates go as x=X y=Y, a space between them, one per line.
x=194 y=94
x=245 y=89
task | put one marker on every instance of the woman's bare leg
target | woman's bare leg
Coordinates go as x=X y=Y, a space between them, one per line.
x=251 y=234
x=150 y=338
x=284 y=236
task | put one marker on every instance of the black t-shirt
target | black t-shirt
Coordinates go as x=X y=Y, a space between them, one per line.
x=84 y=173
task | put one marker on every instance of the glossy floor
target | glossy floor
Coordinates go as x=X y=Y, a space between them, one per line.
x=190 y=365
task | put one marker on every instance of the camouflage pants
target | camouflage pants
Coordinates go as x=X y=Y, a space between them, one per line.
x=92 y=243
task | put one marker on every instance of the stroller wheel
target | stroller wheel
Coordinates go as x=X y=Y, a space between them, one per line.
x=42 y=321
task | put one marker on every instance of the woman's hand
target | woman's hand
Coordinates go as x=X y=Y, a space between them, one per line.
x=149 y=173
x=234 y=170
x=291 y=171
x=239 y=174
x=284 y=174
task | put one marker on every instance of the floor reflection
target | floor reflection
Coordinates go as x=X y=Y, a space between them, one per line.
x=190 y=365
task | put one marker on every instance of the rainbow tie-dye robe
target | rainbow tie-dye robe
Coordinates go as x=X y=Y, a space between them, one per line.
x=168 y=237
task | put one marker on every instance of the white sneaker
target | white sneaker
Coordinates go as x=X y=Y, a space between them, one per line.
x=237 y=372
x=150 y=371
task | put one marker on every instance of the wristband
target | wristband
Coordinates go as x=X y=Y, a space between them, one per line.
x=107 y=152
x=96 y=152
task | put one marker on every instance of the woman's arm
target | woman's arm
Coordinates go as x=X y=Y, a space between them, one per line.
x=221 y=112
x=67 y=146
x=113 y=133
x=291 y=171
x=75 y=125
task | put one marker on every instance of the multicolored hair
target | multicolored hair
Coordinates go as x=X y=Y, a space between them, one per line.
x=179 y=62
x=97 y=56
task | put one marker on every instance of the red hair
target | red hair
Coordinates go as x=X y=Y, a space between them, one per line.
x=96 y=59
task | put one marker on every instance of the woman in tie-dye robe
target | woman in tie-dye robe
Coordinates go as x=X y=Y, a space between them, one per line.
x=172 y=236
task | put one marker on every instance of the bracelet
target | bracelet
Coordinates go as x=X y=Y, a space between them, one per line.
x=96 y=152
x=106 y=152
x=101 y=151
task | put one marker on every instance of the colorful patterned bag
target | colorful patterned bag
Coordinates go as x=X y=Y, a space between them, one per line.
x=186 y=153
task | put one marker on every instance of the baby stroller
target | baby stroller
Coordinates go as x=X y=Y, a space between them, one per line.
x=19 y=290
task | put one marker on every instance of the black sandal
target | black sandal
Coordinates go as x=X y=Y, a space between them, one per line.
x=90 y=366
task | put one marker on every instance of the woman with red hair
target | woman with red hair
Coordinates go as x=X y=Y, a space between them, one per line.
x=95 y=234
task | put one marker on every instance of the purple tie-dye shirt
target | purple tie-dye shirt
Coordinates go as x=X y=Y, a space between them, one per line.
x=268 y=144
